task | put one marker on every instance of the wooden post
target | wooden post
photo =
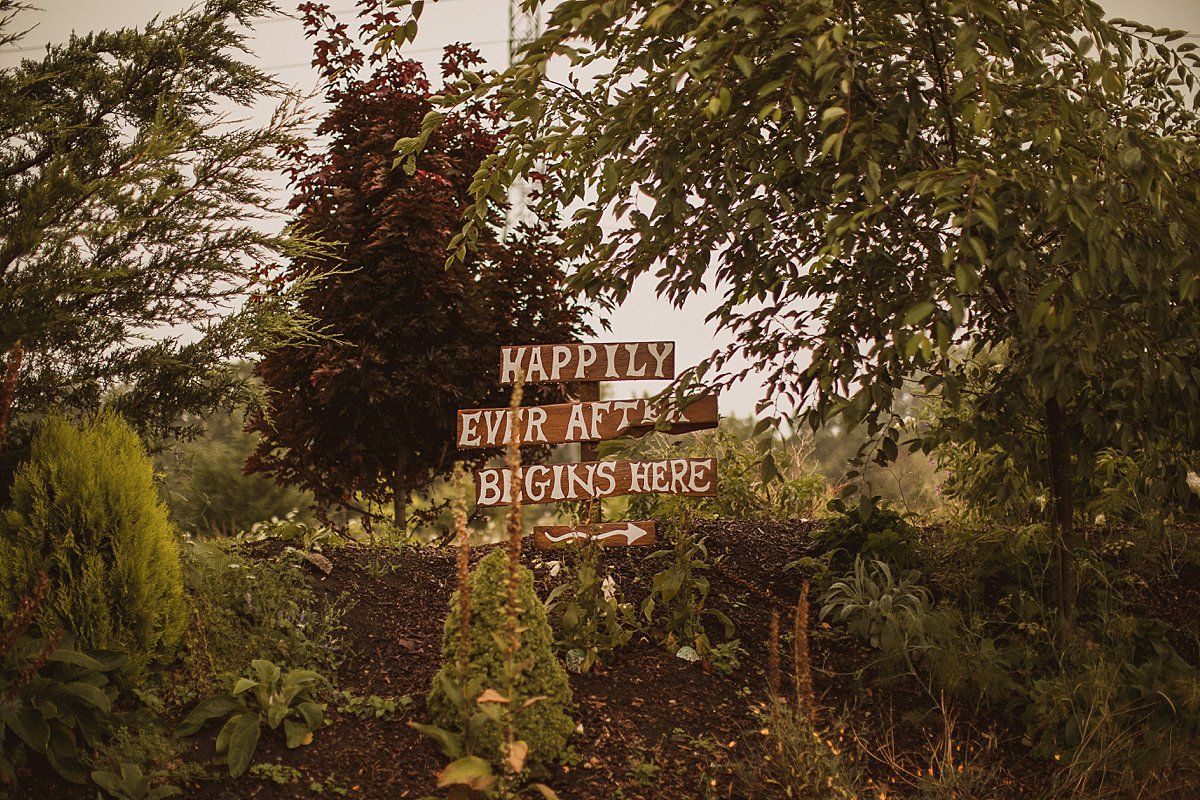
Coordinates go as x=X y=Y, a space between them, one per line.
x=589 y=391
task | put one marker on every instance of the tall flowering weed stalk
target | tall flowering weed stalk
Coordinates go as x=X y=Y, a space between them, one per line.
x=462 y=536
x=801 y=668
x=516 y=751
x=499 y=702
x=773 y=680
x=16 y=627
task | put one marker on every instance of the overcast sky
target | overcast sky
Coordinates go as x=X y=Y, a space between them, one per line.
x=280 y=47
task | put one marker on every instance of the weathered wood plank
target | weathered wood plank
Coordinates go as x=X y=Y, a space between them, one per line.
x=561 y=423
x=607 y=534
x=561 y=363
x=553 y=483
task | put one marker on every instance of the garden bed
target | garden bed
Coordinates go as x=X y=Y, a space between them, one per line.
x=653 y=725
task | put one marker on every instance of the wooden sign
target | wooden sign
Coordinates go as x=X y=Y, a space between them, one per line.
x=552 y=483
x=562 y=363
x=579 y=422
x=606 y=534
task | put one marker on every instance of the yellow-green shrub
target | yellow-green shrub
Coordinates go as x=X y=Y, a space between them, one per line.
x=85 y=510
x=544 y=725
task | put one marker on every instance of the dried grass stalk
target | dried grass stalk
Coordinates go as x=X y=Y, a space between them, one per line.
x=773 y=679
x=462 y=536
x=512 y=460
x=801 y=668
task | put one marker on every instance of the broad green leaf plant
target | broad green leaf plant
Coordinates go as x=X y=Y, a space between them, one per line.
x=268 y=696
x=881 y=195
x=55 y=701
x=130 y=783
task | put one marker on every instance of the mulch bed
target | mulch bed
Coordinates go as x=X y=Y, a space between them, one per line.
x=645 y=708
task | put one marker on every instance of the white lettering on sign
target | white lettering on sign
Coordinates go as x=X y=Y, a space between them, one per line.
x=470 y=437
x=587 y=357
x=594 y=479
x=559 y=363
x=561 y=423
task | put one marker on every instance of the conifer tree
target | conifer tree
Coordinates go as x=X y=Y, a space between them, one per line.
x=139 y=242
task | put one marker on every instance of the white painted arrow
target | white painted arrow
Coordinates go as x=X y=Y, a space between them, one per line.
x=631 y=532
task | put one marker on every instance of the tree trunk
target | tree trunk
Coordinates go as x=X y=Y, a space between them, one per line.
x=8 y=388
x=1062 y=494
x=400 y=494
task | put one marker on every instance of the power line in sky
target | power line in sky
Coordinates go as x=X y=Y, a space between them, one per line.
x=271 y=20
x=438 y=49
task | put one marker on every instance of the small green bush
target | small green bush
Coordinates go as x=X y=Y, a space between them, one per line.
x=679 y=599
x=247 y=607
x=544 y=725
x=590 y=617
x=870 y=528
x=761 y=477
x=86 y=512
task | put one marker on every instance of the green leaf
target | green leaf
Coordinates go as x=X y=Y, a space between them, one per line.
x=242 y=742
x=470 y=771
x=656 y=17
x=108 y=781
x=450 y=743
x=30 y=727
x=298 y=733
x=832 y=113
x=66 y=655
x=313 y=713
x=276 y=711
x=918 y=313
x=63 y=755
x=89 y=694
x=215 y=707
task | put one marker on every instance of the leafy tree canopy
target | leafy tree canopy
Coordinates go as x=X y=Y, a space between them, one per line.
x=136 y=252
x=370 y=413
x=896 y=190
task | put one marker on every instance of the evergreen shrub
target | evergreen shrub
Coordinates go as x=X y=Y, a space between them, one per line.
x=543 y=725
x=85 y=510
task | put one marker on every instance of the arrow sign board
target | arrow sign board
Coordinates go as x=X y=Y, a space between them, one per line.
x=579 y=422
x=553 y=483
x=562 y=363
x=608 y=534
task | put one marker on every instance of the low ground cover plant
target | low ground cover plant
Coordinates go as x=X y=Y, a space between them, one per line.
x=246 y=608
x=678 y=604
x=266 y=696
x=590 y=617
x=56 y=702
x=129 y=783
x=1116 y=710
